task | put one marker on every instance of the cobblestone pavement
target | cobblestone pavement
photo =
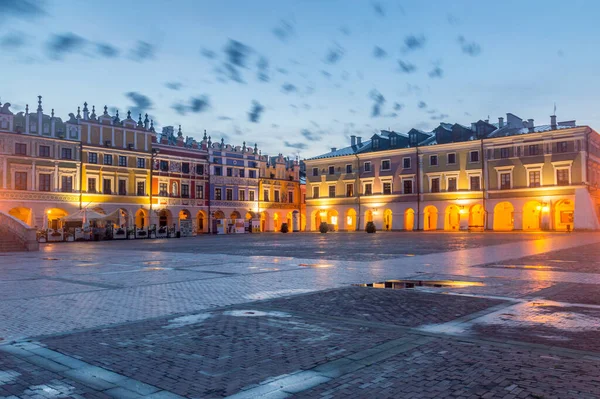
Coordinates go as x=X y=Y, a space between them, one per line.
x=275 y=315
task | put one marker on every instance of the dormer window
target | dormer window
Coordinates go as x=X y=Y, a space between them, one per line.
x=375 y=144
x=393 y=141
x=413 y=138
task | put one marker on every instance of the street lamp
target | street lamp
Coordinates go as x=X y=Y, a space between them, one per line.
x=153 y=154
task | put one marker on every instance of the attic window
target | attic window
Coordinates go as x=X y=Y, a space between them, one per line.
x=413 y=138
x=393 y=140
x=375 y=143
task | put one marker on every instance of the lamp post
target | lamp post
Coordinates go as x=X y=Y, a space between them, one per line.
x=153 y=154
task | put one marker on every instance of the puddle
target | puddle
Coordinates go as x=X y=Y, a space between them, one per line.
x=401 y=284
x=187 y=320
x=255 y=313
x=317 y=265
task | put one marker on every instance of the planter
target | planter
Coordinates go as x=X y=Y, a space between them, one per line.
x=42 y=239
x=55 y=235
x=370 y=227
x=70 y=238
x=323 y=228
x=284 y=228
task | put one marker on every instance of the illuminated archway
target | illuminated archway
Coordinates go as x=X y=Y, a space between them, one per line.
x=25 y=215
x=368 y=217
x=264 y=220
x=452 y=218
x=165 y=218
x=409 y=219
x=504 y=216
x=351 y=220
x=235 y=215
x=99 y=209
x=219 y=215
x=430 y=217
x=387 y=219
x=53 y=215
x=201 y=225
x=141 y=218
x=564 y=215
x=184 y=214
x=332 y=219
x=532 y=216
x=318 y=216
x=289 y=220
x=476 y=217
x=276 y=221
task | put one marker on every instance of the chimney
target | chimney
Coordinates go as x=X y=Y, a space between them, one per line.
x=474 y=126
x=530 y=124
x=353 y=140
x=333 y=149
x=359 y=141
x=553 y=122
x=500 y=122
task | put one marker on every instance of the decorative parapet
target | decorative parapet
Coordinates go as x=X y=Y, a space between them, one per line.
x=21 y=195
x=25 y=234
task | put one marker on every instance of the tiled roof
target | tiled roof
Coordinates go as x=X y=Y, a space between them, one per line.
x=508 y=131
x=351 y=150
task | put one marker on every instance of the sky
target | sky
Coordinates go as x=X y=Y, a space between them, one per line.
x=300 y=76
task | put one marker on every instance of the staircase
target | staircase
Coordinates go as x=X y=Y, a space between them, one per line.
x=9 y=243
x=16 y=236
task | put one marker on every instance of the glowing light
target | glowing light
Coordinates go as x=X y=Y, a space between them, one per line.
x=349 y=220
x=322 y=214
x=462 y=210
x=539 y=207
x=334 y=220
x=545 y=208
x=49 y=211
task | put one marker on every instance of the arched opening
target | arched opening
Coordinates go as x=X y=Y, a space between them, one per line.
x=318 y=216
x=504 y=216
x=201 y=226
x=351 y=220
x=53 y=215
x=289 y=220
x=141 y=218
x=219 y=215
x=387 y=219
x=564 y=215
x=165 y=218
x=430 y=217
x=452 y=218
x=250 y=216
x=302 y=222
x=235 y=215
x=476 y=217
x=264 y=220
x=332 y=219
x=532 y=216
x=368 y=216
x=25 y=215
x=409 y=219
x=184 y=214
x=123 y=220
x=276 y=221
x=99 y=210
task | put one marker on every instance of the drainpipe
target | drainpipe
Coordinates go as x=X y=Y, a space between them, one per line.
x=80 y=174
x=358 y=191
x=418 y=188
x=209 y=193
x=483 y=187
x=259 y=189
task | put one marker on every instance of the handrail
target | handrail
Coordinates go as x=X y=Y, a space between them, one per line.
x=25 y=234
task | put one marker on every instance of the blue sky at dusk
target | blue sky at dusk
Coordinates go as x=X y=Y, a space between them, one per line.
x=301 y=76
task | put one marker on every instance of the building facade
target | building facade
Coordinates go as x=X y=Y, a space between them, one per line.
x=501 y=176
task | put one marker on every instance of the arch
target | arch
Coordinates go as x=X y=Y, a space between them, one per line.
x=235 y=215
x=264 y=220
x=99 y=209
x=409 y=219
x=219 y=214
x=430 y=218
x=201 y=222
x=141 y=218
x=387 y=219
x=504 y=216
x=165 y=218
x=351 y=219
x=302 y=222
x=290 y=220
x=123 y=220
x=476 y=216
x=532 y=216
x=318 y=216
x=250 y=215
x=53 y=215
x=276 y=221
x=185 y=214
x=368 y=216
x=25 y=215
x=333 y=219
x=564 y=215
x=452 y=218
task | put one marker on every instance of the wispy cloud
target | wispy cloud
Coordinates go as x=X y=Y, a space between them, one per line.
x=413 y=42
x=107 y=50
x=378 y=101
x=13 y=41
x=436 y=72
x=142 y=51
x=406 y=67
x=206 y=53
x=263 y=69
x=174 y=86
x=23 y=9
x=334 y=54
x=288 y=88
x=284 y=30
x=256 y=112
x=471 y=48
x=312 y=135
x=195 y=105
x=439 y=117
x=297 y=146
x=378 y=52
x=422 y=104
x=65 y=43
x=378 y=8
x=398 y=106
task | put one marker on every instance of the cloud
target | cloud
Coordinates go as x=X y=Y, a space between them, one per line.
x=206 y=53
x=391 y=115
x=378 y=52
x=174 y=86
x=315 y=124
x=288 y=88
x=413 y=42
x=237 y=53
x=297 y=146
x=282 y=71
x=263 y=69
x=309 y=90
x=66 y=43
x=326 y=74
x=422 y=104
x=23 y=9
x=312 y=136
x=225 y=118
x=471 y=48
x=406 y=67
x=306 y=106
x=379 y=100
x=378 y=8
x=274 y=125
x=439 y=117
x=195 y=105
x=107 y=50
x=142 y=51
x=284 y=30
x=345 y=30
x=141 y=103
x=452 y=19
x=255 y=112
x=398 y=106
x=13 y=41
x=436 y=72
x=334 y=54
x=180 y=108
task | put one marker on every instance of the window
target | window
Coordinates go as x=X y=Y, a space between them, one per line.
x=534 y=178
x=276 y=195
x=20 y=180
x=122 y=187
x=251 y=195
x=475 y=183
x=242 y=173
x=504 y=152
x=367 y=166
x=108 y=159
x=106 y=186
x=242 y=195
x=65 y=153
x=199 y=191
x=408 y=186
x=122 y=160
x=315 y=192
x=291 y=197
x=375 y=144
x=331 y=170
x=562 y=146
x=44 y=151
x=451 y=159
x=331 y=191
x=406 y=163
x=393 y=141
x=505 y=181
x=20 y=149
x=218 y=171
x=385 y=165
x=349 y=168
x=141 y=163
x=218 y=194
x=163 y=190
x=474 y=156
x=92 y=157
x=349 y=190
x=266 y=195
x=315 y=171
x=229 y=194
x=164 y=166
x=91 y=185
x=185 y=167
x=433 y=160
x=451 y=184
x=534 y=149
x=435 y=185
x=185 y=191
x=229 y=172
x=199 y=169
x=368 y=189
x=174 y=190
x=387 y=188
x=252 y=174
x=562 y=177
x=141 y=188
x=66 y=185
x=44 y=182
